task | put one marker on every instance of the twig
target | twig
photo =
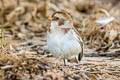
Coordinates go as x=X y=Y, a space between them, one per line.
x=8 y=66
x=107 y=47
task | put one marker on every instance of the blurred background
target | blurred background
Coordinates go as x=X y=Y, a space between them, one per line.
x=26 y=19
x=23 y=35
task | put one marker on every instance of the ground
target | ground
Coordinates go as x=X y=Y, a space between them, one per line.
x=23 y=52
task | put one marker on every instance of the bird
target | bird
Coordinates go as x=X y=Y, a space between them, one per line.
x=63 y=40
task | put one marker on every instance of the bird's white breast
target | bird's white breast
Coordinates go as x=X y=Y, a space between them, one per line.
x=64 y=45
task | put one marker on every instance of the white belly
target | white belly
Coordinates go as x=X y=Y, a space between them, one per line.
x=65 y=46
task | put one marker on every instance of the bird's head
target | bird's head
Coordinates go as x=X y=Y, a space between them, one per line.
x=60 y=20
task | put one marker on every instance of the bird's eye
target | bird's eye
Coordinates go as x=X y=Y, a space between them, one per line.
x=56 y=18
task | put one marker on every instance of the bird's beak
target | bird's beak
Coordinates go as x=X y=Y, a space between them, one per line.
x=50 y=18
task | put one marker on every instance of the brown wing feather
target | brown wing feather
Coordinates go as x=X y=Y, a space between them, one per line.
x=81 y=44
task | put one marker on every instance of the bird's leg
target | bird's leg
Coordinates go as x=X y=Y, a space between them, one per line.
x=66 y=62
x=77 y=60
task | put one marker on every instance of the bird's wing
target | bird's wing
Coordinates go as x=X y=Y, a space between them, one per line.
x=79 y=39
x=81 y=44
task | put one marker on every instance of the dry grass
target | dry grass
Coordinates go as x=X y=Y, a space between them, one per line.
x=24 y=39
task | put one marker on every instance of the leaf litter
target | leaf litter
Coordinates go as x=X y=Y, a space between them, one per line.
x=23 y=52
